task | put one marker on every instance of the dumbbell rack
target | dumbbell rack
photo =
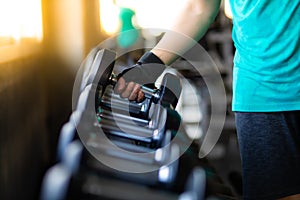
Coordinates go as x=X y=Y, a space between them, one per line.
x=116 y=149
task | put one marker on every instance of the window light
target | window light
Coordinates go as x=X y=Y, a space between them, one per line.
x=21 y=19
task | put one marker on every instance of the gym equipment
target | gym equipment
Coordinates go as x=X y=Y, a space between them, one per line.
x=59 y=184
x=67 y=133
x=151 y=169
x=144 y=121
x=55 y=183
x=101 y=74
x=127 y=150
x=80 y=176
x=149 y=130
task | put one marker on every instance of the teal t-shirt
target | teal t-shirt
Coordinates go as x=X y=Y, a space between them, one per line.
x=266 y=74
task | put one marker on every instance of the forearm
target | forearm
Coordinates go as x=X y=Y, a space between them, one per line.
x=191 y=24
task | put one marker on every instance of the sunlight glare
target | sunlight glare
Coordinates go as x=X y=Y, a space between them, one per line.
x=21 y=19
x=149 y=13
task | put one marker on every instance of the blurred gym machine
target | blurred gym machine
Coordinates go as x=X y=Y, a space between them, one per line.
x=113 y=148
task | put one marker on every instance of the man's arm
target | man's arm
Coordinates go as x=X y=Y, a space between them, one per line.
x=192 y=22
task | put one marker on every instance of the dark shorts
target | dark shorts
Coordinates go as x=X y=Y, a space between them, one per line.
x=270 y=153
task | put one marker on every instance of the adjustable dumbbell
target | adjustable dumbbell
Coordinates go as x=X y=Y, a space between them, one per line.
x=167 y=95
x=100 y=73
x=148 y=115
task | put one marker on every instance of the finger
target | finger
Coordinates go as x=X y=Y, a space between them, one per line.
x=141 y=96
x=121 y=85
x=134 y=93
x=128 y=90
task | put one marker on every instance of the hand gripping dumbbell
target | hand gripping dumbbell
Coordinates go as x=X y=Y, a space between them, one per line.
x=100 y=73
x=149 y=115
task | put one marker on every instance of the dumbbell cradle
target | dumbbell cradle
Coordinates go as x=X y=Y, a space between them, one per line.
x=146 y=165
x=68 y=133
x=90 y=176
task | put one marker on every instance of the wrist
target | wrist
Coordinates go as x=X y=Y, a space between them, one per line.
x=166 y=57
x=150 y=57
x=148 y=68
